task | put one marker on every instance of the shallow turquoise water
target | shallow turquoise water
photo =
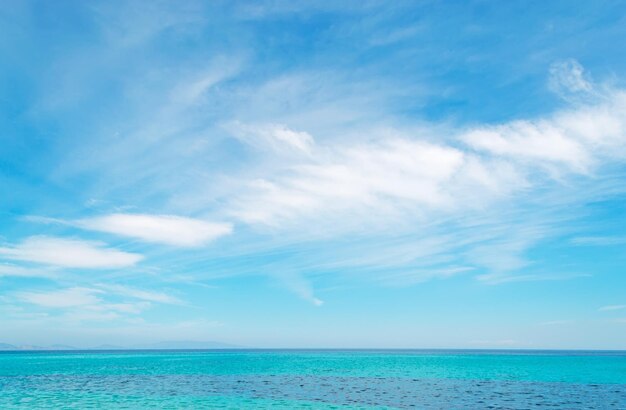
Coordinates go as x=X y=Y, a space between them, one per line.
x=313 y=379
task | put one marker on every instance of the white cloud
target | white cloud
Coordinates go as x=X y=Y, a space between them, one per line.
x=221 y=69
x=299 y=285
x=497 y=278
x=392 y=173
x=101 y=302
x=393 y=36
x=377 y=177
x=568 y=76
x=19 y=271
x=355 y=176
x=165 y=229
x=141 y=294
x=611 y=308
x=64 y=298
x=598 y=240
x=408 y=180
x=272 y=137
x=129 y=308
x=89 y=316
x=574 y=140
x=540 y=140
x=69 y=253
x=556 y=322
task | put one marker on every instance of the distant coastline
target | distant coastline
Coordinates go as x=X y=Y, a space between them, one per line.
x=167 y=345
x=183 y=346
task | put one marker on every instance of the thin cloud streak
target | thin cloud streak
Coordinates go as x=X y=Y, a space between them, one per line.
x=69 y=253
x=610 y=308
x=165 y=229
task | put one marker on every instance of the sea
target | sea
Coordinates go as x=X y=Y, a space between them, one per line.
x=313 y=379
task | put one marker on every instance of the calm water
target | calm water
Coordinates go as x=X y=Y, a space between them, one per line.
x=313 y=379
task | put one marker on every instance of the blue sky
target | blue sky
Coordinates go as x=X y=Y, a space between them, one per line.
x=303 y=174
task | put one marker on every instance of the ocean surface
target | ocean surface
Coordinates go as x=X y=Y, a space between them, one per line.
x=322 y=379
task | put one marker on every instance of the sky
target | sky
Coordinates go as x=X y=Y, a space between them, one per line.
x=419 y=174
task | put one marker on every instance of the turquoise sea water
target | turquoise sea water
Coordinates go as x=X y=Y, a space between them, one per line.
x=313 y=379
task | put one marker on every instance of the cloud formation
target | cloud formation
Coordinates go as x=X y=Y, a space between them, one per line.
x=20 y=271
x=357 y=149
x=570 y=141
x=96 y=303
x=164 y=229
x=69 y=253
x=395 y=173
x=149 y=296
x=612 y=308
x=64 y=298
x=568 y=77
x=272 y=137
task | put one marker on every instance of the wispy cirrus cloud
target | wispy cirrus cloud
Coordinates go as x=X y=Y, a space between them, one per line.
x=568 y=77
x=395 y=172
x=389 y=178
x=598 y=240
x=330 y=147
x=497 y=278
x=69 y=253
x=63 y=298
x=141 y=294
x=299 y=285
x=164 y=229
x=441 y=180
x=609 y=308
x=272 y=137
x=100 y=302
x=20 y=271
x=570 y=141
x=556 y=323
